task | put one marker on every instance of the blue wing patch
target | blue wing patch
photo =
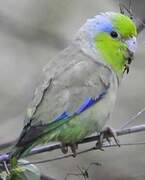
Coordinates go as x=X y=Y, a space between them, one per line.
x=84 y=106
x=64 y=115
x=89 y=102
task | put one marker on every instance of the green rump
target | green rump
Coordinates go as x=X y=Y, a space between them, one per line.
x=114 y=50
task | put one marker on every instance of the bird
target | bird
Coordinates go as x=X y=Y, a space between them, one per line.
x=78 y=88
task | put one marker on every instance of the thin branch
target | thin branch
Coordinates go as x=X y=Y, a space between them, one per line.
x=119 y=132
x=6 y=168
x=51 y=147
x=133 y=118
x=94 y=148
x=57 y=146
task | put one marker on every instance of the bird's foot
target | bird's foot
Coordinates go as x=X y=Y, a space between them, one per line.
x=73 y=147
x=126 y=69
x=64 y=148
x=107 y=133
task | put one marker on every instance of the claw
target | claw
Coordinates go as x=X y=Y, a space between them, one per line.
x=108 y=140
x=106 y=133
x=126 y=69
x=74 y=147
x=100 y=142
x=64 y=148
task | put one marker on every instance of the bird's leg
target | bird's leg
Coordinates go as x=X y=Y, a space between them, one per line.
x=73 y=148
x=100 y=141
x=110 y=132
x=107 y=133
x=64 y=148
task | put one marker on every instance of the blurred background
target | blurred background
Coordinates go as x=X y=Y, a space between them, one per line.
x=34 y=31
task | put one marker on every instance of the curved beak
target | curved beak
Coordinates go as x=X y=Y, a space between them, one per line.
x=132 y=44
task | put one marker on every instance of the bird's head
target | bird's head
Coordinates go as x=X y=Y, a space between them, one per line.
x=113 y=35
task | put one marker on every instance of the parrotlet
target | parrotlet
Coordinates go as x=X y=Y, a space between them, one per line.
x=78 y=88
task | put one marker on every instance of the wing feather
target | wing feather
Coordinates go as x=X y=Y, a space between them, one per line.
x=65 y=92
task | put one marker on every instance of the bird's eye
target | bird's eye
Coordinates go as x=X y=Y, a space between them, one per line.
x=114 y=34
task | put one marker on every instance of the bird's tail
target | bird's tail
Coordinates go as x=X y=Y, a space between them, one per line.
x=20 y=151
x=32 y=136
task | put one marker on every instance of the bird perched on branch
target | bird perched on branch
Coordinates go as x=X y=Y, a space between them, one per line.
x=79 y=86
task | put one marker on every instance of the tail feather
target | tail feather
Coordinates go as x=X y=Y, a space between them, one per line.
x=32 y=136
x=21 y=151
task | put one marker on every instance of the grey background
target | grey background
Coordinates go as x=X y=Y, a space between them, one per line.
x=31 y=33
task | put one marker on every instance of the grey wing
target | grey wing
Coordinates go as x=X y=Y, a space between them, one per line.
x=69 y=89
x=56 y=66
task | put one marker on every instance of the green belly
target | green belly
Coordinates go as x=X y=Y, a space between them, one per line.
x=88 y=122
